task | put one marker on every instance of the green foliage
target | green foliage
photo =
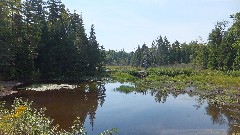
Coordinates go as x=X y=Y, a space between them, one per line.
x=234 y=73
x=44 y=40
x=125 y=73
x=170 y=71
x=23 y=119
x=123 y=77
x=120 y=58
x=96 y=57
x=125 y=89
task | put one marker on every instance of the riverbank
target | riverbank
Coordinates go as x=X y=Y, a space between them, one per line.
x=6 y=87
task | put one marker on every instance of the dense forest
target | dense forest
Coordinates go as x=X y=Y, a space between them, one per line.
x=44 y=40
x=221 y=52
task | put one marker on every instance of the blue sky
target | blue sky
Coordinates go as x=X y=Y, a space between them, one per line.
x=128 y=23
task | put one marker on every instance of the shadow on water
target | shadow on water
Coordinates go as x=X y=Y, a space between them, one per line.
x=65 y=102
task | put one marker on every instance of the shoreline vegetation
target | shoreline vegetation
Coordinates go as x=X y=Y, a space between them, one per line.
x=218 y=86
x=223 y=86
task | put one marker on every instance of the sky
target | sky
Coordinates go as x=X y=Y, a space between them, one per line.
x=128 y=23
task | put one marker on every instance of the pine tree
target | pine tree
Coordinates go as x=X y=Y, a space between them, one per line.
x=175 y=53
x=23 y=53
x=138 y=57
x=166 y=53
x=78 y=37
x=186 y=52
x=153 y=54
x=205 y=54
x=93 y=59
x=6 y=53
x=145 y=61
x=160 y=51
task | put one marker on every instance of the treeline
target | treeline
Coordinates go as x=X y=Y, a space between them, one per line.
x=44 y=40
x=221 y=52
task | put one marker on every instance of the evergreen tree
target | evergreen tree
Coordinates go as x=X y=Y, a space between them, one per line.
x=23 y=53
x=153 y=54
x=160 y=51
x=205 y=55
x=175 y=53
x=145 y=60
x=166 y=53
x=79 y=39
x=94 y=60
x=138 y=57
x=6 y=48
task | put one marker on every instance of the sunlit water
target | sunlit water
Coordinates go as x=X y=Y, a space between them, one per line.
x=101 y=107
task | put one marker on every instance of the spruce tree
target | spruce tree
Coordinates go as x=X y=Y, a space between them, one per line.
x=94 y=60
x=6 y=50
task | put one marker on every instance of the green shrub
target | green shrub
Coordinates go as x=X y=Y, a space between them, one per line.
x=172 y=72
x=235 y=73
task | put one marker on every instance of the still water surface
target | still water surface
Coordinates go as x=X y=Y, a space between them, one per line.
x=102 y=107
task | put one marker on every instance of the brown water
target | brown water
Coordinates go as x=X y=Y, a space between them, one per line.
x=101 y=107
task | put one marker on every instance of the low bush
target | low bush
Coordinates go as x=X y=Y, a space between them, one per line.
x=172 y=72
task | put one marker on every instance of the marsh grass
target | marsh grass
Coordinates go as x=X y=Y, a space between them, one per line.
x=125 y=89
x=218 y=86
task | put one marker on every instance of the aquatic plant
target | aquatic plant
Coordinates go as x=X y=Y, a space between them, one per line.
x=123 y=77
x=125 y=89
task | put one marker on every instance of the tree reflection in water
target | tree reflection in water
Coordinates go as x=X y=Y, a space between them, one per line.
x=225 y=114
x=220 y=114
x=62 y=104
